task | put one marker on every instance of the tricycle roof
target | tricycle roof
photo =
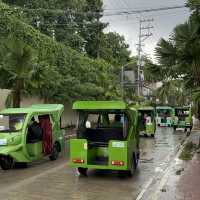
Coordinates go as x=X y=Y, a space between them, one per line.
x=182 y=108
x=37 y=108
x=99 y=105
x=146 y=108
x=141 y=107
x=164 y=108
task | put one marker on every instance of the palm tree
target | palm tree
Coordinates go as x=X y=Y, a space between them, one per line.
x=17 y=67
x=181 y=54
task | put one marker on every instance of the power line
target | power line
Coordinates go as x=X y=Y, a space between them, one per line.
x=125 y=12
x=131 y=12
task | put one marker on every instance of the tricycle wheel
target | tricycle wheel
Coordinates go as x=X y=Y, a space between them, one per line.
x=124 y=173
x=185 y=130
x=188 y=131
x=55 y=153
x=134 y=165
x=152 y=135
x=6 y=162
x=174 y=127
x=21 y=165
x=82 y=171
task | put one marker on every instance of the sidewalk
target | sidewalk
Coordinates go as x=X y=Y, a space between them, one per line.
x=183 y=180
x=189 y=184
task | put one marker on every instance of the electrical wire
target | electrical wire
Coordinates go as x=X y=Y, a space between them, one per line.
x=126 y=12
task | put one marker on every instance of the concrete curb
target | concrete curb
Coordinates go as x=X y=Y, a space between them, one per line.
x=158 y=185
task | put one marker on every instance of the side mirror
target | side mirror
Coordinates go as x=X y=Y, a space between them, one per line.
x=88 y=124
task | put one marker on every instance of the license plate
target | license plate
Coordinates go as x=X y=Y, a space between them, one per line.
x=118 y=144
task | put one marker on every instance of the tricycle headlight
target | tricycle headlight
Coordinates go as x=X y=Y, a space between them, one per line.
x=3 y=142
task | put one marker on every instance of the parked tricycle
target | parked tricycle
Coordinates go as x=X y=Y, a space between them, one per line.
x=164 y=116
x=29 y=134
x=107 y=137
x=182 y=118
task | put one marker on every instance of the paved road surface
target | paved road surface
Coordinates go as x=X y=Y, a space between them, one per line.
x=47 y=180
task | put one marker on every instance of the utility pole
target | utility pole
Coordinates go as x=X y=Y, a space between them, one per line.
x=144 y=33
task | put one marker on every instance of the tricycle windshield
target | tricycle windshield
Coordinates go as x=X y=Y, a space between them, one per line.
x=102 y=126
x=164 y=113
x=11 y=122
x=182 y=112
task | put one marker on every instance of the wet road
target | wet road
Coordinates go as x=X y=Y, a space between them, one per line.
x=55 y=180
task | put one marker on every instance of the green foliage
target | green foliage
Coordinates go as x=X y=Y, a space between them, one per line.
x=17 y=67
x=179 y=59
x=172 y=92
x=188 y=151
x=153 y=72
x=58 y=72
x=75 y=76
x=194 y=5
x=114 y=49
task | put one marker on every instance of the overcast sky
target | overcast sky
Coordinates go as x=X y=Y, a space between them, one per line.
x=127 y=25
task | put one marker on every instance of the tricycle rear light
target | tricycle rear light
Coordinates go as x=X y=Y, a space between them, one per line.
x=80 y=161
x=117 y=163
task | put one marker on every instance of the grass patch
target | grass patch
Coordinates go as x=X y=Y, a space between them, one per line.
x=188 y=151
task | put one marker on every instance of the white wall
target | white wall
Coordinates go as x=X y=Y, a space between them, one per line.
x=69 y=117
x=3 y=96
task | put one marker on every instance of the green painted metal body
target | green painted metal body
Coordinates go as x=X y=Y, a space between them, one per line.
x=182 y=121
x=146 y=128
x=164 y=116
x=16 y=142
x=99 y=105
x=115 y=150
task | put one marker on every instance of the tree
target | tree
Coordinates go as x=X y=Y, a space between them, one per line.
x=114 y=49
x=91 y=26
x=179 y=59
x=55 y=18
x=17 y=68
x=79 y=77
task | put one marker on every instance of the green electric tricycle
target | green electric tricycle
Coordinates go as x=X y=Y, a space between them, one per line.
x=29 y=134
x=147 y=120
x=107 y=137
x=182 y=118
x=164 y=116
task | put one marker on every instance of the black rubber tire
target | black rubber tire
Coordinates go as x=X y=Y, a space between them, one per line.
x=185 y=130
x=135 y=164
x=82 y=171
x=124 y=173
x=20 y=165
x=136 y=160
x=55 y=153
x=6 y=163
x=174 y=127
x=188 y=133
x=152 y=135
